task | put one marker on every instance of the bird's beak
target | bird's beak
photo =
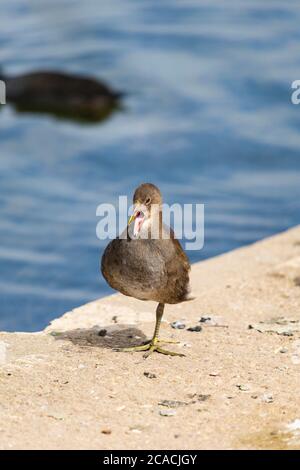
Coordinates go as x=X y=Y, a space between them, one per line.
x=136 y=209
x=131 y=218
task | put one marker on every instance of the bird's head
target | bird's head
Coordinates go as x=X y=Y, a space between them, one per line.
x=147 y=202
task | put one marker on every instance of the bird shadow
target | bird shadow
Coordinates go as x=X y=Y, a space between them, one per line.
x=103 y=337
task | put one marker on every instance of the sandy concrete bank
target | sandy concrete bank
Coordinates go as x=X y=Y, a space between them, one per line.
x=237 y=387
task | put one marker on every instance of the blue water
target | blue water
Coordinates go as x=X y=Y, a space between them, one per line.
x=207 y=116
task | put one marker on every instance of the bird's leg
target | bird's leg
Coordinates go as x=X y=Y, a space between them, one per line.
x=152 y=345
x=155 y=340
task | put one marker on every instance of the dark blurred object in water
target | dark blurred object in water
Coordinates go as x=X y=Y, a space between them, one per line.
x=63 y=95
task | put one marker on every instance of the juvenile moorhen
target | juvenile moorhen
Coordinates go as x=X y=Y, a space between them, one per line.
x=147 y=262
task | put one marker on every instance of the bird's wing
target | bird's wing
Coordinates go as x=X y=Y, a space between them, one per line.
x=176 y=269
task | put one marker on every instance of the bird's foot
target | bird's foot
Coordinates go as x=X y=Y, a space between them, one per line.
x=157 y=348
x=152 y=346
x=169 y=341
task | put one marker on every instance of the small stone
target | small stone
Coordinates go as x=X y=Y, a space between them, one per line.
x=267 y=398
x=214 y=374
x=198 y=397
x=167 y=413
x=213 y=320
x=115 y=319
x=178 y=325
x=172 y=403
x=150 y=375
x=102 y=332
x=243 y=388
x=195 y=328
x=294 y=426
x=283 y=350
x=203 y=397
x=206 y=319
x=106 y=431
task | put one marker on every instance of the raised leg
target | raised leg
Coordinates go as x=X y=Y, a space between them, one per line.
x=153 y=345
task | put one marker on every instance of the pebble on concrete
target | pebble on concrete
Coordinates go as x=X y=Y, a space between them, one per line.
x=150 y=375
x=196 y=328
x=178 y=325
x=167 y=412
x=102 y=332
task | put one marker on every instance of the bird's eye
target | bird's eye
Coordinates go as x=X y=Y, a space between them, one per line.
x=139 y=214
x=148 y=200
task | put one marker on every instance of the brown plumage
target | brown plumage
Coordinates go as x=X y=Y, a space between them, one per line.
x=148 y=268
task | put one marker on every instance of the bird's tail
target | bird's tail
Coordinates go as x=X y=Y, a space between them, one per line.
x=189 y=296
